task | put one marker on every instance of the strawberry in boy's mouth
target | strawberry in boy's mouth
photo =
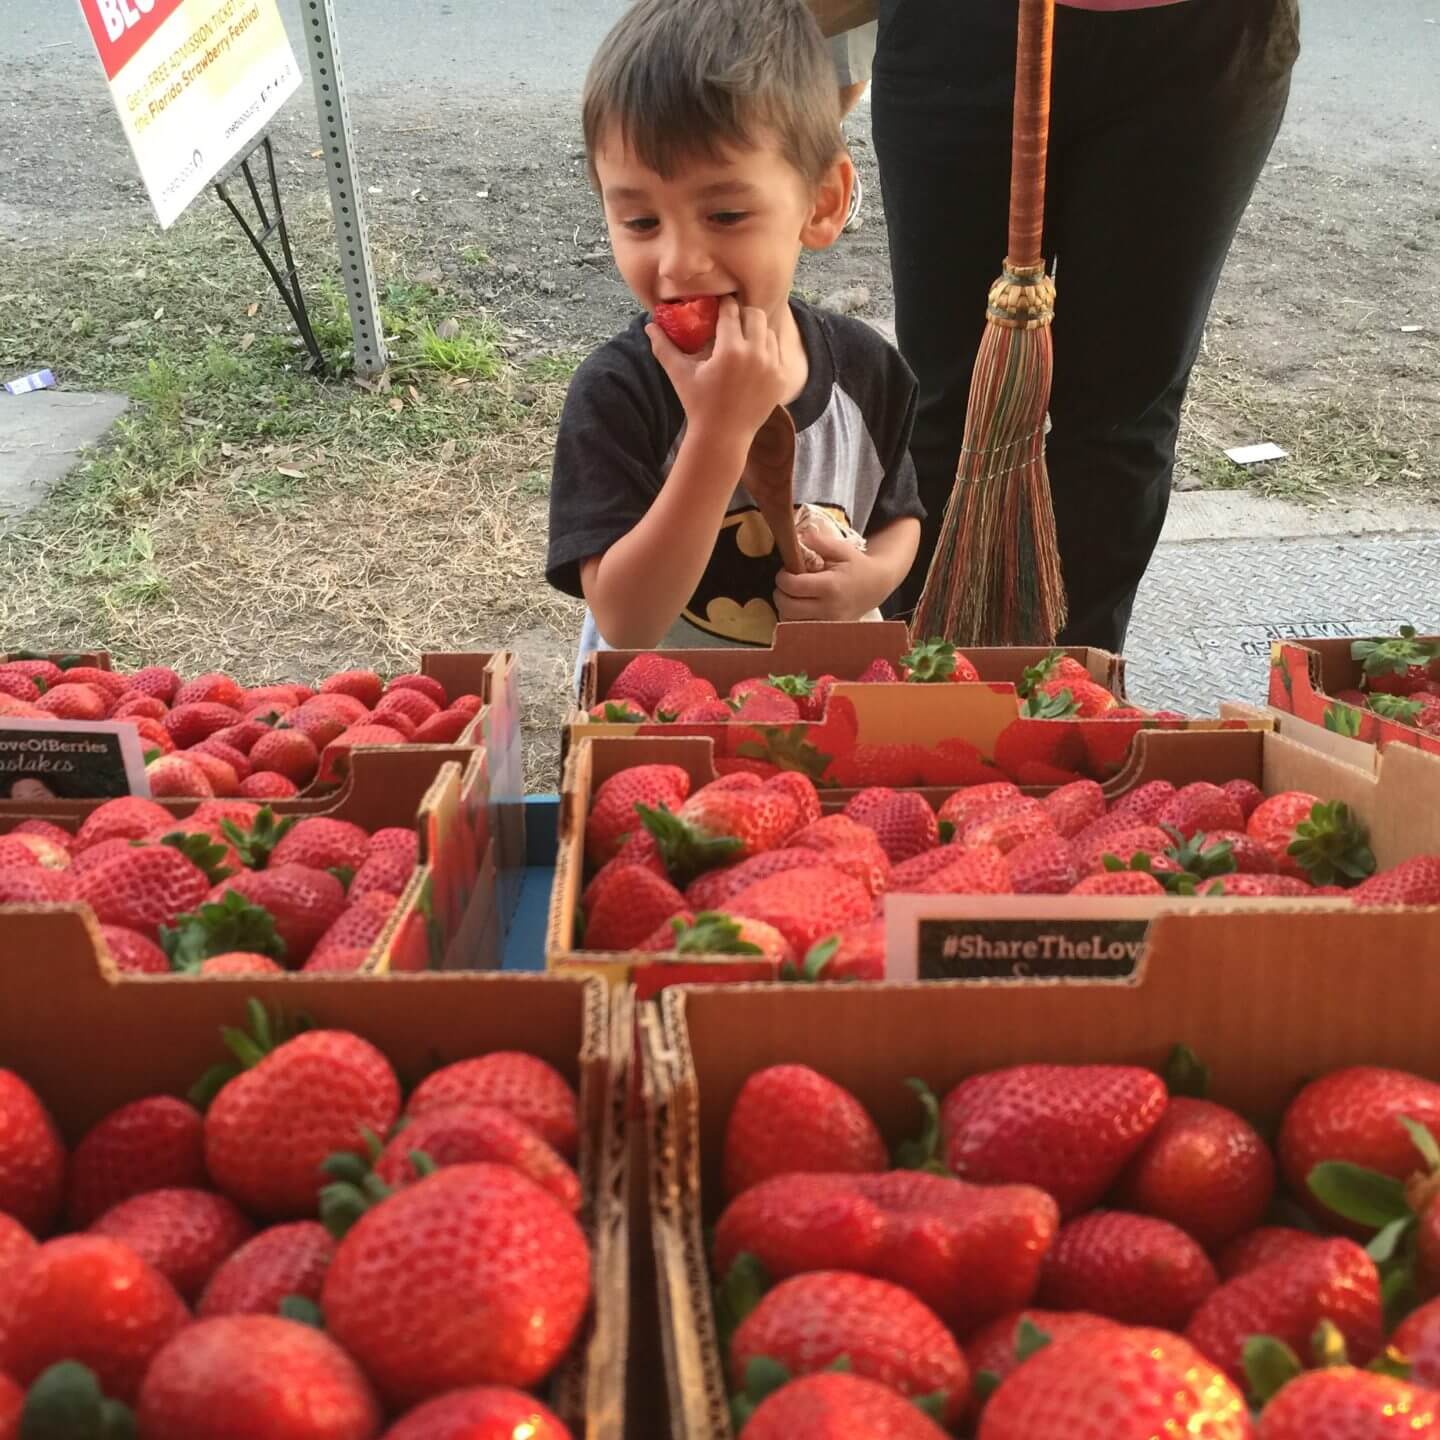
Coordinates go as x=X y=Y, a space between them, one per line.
x=689 y=323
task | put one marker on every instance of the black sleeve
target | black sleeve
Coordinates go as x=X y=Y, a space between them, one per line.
x=619 y=421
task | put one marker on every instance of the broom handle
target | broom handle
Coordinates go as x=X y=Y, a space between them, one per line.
x=1031 y=133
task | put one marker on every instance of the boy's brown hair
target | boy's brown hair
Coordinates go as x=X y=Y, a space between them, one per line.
x=680 y=78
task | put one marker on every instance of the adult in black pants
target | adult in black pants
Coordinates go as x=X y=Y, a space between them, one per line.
x=1162 y=118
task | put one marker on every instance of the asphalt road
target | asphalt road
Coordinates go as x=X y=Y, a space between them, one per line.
x=1365 y=88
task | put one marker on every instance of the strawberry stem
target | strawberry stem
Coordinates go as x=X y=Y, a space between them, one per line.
x=923 y=1153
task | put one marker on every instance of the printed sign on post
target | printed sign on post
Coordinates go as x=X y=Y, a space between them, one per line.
x=70 y=760
x=194 y=81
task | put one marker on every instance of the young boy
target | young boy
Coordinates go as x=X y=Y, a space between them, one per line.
x=713 y=133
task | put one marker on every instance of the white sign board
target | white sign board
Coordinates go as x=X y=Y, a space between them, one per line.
x=195 y=82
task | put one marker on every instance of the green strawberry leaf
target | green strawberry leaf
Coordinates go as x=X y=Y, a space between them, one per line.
x=947 y=831
x=1364 y=1196
x=798 y=686
x=983 y=1384
x=302 y=1310
x=1423 y=1141
x=1041 y=706
x=1269 y=1364
x=1037 y=673
x=1389 y=1238
x=343 y=873
x=929 y=662
x=1029 y=1338
x=150 y=756
x=255 y=844
x=1346 y=719
x=230 y=923
x=818 y=956
x=923 y=1153
x=1331 y=846
x=789 y=748
x=932 y=1405
x=684 y=849
x=1395 y=655
x=66 y=1403
x=1399 y=1294
x=1185 y=1074
x=1397 y=707
x=740 y=1290
x=1392 y=1363
x=1202 y=861
x=712 y=933
x=764 y=1376
x=621 y=712
x=840 y=1365
x=201 y=850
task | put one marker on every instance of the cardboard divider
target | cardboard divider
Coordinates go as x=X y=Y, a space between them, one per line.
x=143 y=1037
x=1266 y=1002
x=1306 y=676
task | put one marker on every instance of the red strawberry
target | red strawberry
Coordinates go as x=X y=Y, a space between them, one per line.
x=32 y=1157
x=242 y=962
x=45 y=670
x=647 y=679
x=638 y=849
x=916 y=871
x=1417 y=1338
x=1072 y=807
x=389 y=871
x=1354 y=1115
x=1201 y=806
x=977 y=870
x=976 y=800
x=178 y=777
x=13 y=852
x=1108 y=741
x=153 y=735
x=479 y=1412
x=45 y=830
x=878 y=672
x=267 y=785
x=1311 y=840
x=220 y=776
x=1144 y=803
x=335 y=758
x=303 y=903
x=801 y=789
x=854 y=954
x=145 y=888
x=286 y=752
x=885 y=1334
x=969 y=1252
x=705 y=712
x=522 y=1084
x=713 y=933
x=281 y=1261
x=1246 y=794
x=91 y=1299
x=1397 y=665
x=427 y=685
x=74 y=702
x=904 y=824
x=1288 y=1298
x=1261 y=1246
x=1412 y=882
x=150 y=1144
x=692 y=692
x=1124 y=842
x=318 y=720
x=938 y=660
x=408 y=1281
x=627 y=712
x=1343 y=1402
x=157 y=680
x=627 y=907
x=357 y=928
x=996 y=1350
x=805 y=905
x=1255 y=886
x=467 y=1134
x=184 y=1234
x=1132 y=1268
x=269 y=1129
x=235 y=759
x=955 y=762
x=715 y=888
x=1204 y=1169
x=1069 y=1129
x=211 y=689
x=1040 y=740
x=613 y=814
x=362 y=685
x=789 y=1118
x=1116 y=1383
x=1009 y=827
x=836 y=1406
x=1090 y=699
x=446 y=728
x=689 y=323
x=864 y=766
x=1249 y=855
x=323 y=844
x=725 y=821
x=270 y=1379
x=395 y=839
x=31 y=884
x=188 y=724
x=412 y=704
x=135 y=706
x=1043 y=866
x=20 y=687
x=21 y=709
x=1119 y=882
x=17 y=1245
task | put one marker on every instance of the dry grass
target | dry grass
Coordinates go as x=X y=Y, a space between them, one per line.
x=248 y=517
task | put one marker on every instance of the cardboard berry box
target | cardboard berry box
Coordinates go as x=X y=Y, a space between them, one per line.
x=1310 y=677
x=1264 y=1006
x=871 y=728
x=142 y=1037
x=452 y=914
x=1395 y=795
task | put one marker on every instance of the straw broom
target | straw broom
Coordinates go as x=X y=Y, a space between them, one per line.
x=995 y=576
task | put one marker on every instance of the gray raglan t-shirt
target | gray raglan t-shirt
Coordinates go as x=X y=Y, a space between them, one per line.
x=621 y=429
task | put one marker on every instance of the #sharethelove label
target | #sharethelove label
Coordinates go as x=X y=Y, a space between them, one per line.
x=972 y=948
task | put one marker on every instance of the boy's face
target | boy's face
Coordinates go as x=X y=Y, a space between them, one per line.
x=733 y=226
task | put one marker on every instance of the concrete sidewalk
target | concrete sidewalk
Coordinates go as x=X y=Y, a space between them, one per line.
x=41 y=436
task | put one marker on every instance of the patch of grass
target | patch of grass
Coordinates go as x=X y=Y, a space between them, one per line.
x=475 y=255
x=475 y=356
x=545 y=368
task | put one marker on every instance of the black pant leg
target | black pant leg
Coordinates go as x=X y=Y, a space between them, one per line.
x=1144 y=201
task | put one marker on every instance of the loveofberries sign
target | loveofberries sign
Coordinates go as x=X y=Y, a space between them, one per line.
x=195 y=82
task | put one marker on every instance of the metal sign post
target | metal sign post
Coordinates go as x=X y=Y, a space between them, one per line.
x=318 y=17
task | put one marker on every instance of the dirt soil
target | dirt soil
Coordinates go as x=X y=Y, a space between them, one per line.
x=489 y=207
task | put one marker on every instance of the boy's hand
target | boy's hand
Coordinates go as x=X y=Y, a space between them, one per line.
x=731 y=391
x=851 y=584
